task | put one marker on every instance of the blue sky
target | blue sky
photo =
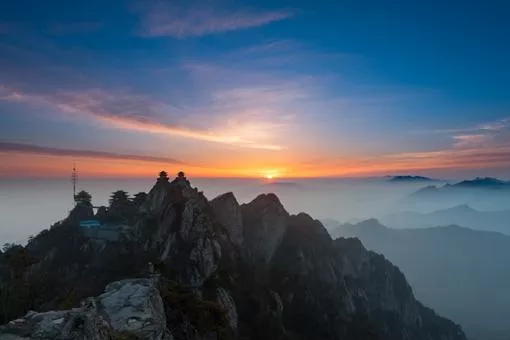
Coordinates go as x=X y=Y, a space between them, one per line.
x=291 y=88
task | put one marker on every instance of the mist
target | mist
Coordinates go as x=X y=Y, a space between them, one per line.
x=344 y=200
x=339 y=200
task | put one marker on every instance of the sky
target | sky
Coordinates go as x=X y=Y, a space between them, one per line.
x=262 y=88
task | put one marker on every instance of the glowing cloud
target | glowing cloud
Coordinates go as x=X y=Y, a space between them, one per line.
x=168 y=19
x=7 y=147
x=134 y=112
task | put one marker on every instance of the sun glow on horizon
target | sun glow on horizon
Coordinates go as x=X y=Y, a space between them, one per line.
x=271 y=174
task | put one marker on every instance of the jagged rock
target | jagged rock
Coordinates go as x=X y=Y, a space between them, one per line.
x=228 y=212
x=265 y=222
x=134 y=306
x=101 y=213
x=131 y=307
x=227 y=302
x=184 y=235
x=75 y=324
x=82 y=211
x=393 y=293
x=371 y=296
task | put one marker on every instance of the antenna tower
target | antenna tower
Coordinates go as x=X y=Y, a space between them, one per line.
x=74 y=178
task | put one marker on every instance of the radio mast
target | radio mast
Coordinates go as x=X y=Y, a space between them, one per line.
x=74 y=178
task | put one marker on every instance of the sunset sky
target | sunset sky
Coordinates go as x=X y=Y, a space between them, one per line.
x=255 y=88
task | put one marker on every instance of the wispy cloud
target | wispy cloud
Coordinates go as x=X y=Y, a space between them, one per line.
x=490 y=126
x=465 y=158
x=484 y=135
x=483 y=146
x=44 y=150
x=469 y=141
x=439 y=161
x=496 y=126
x=488 y=135
x=135 y=112
x=169 y=19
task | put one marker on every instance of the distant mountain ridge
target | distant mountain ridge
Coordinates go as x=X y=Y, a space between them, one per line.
x=407 y=178
x=463 y=215
x=460 y=272
x=477 y=183
x=482 y=182
x=483 y=193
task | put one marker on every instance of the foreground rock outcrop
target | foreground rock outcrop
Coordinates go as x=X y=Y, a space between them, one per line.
x=226 y=271
x=127 y=309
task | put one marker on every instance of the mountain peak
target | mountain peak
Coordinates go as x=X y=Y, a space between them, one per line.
x=267 y=199
x=371 y=223
x=164 y=191
x=228 y=213
x=408 y=178
x=462 y=208
x=483 y=182
x=265 y=223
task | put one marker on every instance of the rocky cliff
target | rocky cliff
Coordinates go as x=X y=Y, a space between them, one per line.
x=223 y=271
x=128 y=308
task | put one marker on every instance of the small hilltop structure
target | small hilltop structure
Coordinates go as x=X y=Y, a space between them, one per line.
x=110 y=223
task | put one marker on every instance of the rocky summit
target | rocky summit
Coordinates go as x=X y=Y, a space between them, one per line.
x=184 y=267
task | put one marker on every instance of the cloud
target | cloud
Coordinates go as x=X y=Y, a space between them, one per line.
x=474 y=158
x=485 y=135
x=169 y=19
x=491 y=126
x=138 y=113
x=496 y=126
x=469 y=141
x=438 y=160
x=43 y=150
x=483 y=146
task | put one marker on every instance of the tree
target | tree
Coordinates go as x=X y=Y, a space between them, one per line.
x=119 y=197
x=138 y=199
x=120 y=205
x=83 y=197
x=8 y=246
x=163 y=176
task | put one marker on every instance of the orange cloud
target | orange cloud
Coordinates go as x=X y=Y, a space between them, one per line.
x=7 y=147
x=16 y=164
x=125 y=112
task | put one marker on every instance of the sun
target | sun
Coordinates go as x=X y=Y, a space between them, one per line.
x=270 y=174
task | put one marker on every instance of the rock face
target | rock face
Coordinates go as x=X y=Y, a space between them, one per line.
x=129 y=307
x=228 y=213
x=134 y=306
x=478 y=259
x=82 y=211
x=237 y=272
x=185 y=240
x=265 y=222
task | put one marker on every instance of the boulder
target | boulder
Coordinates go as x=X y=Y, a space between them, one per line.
x=129 y=308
